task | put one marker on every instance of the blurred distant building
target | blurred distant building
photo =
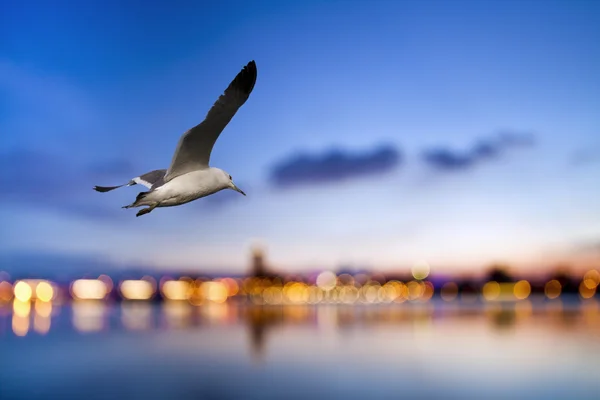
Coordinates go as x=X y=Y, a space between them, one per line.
x=500 y=274
x=259 y=268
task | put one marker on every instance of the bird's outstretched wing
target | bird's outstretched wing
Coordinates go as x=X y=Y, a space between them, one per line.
x=195 y=145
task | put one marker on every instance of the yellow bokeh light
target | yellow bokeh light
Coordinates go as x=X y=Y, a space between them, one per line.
x=44 y=291
x=522 y=290
x=176 y=290
x=402 y=292
x=137 y=289
x=491 y=290
x=591 y=279
x=349 y=294
x=89 y=289
x=315 y=295
x=297 y=293
x=22 y=291
x=449 y=291
x=586 y=292
x=390 y=291
x=415 y=290
x=43 y=308
x=552 y=289
x=21 y=308
x=326 y=280
x=214 y=291
x=232 y=286
x=273 y=295
x=370 y=293
x=420 y=270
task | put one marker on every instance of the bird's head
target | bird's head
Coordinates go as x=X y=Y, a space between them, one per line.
x=227 y=181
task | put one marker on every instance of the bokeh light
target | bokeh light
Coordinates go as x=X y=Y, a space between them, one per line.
x=326 y=280
x=348 y=294
x=585 y=291
x=22 y=291
x=136 y=316
x=415 y=290
x=449 y=291
x=427 y=291
x=20 y=325
x=137 y=289
x=6 y=291
x=522 y=290
x=491 y=290
x=296 y=293
x=89 y=316
x=43 y=308
x=21 y=308
x=41 y=324
x=552 y=289
x=591 y=279
x=214 y=291
x=89 y=289
x=176 y=290
x=420 y=270
x=44 y=291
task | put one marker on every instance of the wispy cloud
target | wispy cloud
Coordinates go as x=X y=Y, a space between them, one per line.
x=45 y=181
x=445 y=159
x=334 y=166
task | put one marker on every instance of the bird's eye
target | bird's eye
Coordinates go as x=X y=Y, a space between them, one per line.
x=229 y=177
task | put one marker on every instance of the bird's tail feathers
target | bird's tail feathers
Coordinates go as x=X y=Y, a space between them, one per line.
x=104 y=189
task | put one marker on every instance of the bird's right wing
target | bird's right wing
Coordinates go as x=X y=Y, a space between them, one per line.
x=195 y=145
x=151 y=179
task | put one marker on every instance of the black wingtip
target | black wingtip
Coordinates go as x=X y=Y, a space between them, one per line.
x=104 y=189
x=246 y=79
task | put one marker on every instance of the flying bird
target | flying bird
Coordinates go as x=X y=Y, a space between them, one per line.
x=189 y=176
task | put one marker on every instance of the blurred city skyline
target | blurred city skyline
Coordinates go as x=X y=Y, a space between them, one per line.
x=379 y=134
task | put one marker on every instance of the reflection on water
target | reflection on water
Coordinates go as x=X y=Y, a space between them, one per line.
x=94 y=349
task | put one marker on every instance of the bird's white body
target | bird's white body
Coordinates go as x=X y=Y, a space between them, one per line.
x=187 y=187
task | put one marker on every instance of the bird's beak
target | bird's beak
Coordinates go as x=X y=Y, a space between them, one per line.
x=237 y=189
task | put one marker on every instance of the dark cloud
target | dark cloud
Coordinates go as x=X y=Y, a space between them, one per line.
x=586 y=156
x=515 y=139
x=443 y=158
x=333 y=166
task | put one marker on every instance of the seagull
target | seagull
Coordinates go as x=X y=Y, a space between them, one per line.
x=189 y=176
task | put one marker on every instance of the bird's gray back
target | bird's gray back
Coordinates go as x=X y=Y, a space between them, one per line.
x=155 y=178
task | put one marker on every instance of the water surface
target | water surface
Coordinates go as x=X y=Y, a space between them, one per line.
x=524 y=350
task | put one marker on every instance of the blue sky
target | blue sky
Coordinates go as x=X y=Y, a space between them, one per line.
x=379 y=133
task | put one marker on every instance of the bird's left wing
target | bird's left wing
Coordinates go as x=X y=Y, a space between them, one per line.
x=195 y=145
